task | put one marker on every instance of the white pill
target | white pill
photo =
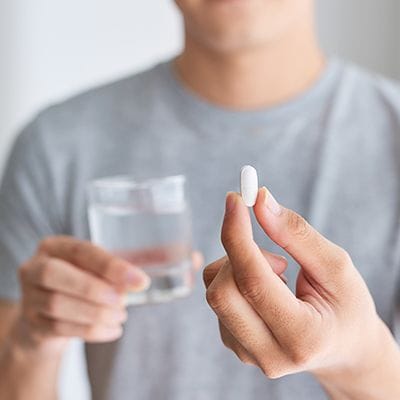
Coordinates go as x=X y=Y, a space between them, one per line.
x=249 y=185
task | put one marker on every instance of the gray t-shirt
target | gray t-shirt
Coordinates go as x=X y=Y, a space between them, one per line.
x=332 y=154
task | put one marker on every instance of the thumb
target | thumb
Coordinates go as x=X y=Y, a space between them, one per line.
x=319 y=257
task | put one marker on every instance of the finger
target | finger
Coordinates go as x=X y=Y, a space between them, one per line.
x=261 y=287
x=55 y=328
x=231 y=343
x=60 y=276
x=319 y=257
x=210 y=272
x=284 y=279
x=70 y=309
x=91 y=258
x=278 y=264
x=237 y=315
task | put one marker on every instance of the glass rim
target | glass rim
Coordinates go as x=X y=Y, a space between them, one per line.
x=128 y=182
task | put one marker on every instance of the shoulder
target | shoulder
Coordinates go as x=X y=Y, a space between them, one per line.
x=98 y=109
x=134 y=89
x=371 y=94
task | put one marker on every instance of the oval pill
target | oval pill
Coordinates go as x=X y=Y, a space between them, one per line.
x=249 y=185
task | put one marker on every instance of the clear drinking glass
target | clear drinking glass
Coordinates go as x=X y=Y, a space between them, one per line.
x=148 y=224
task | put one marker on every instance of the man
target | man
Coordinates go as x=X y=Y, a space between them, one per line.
x=251 y=86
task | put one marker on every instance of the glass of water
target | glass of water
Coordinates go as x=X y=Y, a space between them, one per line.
x=148 y=224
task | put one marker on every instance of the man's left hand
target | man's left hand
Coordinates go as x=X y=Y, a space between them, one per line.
x=329 y=326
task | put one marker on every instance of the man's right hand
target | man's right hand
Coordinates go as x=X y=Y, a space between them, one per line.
x=72 y=288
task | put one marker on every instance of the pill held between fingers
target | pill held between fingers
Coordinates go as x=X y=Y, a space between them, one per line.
x=249 y=185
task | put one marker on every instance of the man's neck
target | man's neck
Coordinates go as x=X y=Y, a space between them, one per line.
x=253 y=78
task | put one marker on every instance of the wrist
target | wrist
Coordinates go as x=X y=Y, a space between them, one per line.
x=33 y=362
x=375 y=375
x=27 y=344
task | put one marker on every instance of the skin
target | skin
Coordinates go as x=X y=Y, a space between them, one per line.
x=240 y=54
x=70 y=288
x=313 y=330
x=252 y=54
x=244 y=55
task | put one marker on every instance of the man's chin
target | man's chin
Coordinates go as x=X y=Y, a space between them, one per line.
x=231 y=40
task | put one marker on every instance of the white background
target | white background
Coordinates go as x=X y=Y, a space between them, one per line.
x=50 y=49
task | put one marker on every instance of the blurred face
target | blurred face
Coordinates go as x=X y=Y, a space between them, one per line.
x=229 y=25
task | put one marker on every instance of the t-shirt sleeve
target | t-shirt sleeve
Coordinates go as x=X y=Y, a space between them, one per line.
x=27 y=207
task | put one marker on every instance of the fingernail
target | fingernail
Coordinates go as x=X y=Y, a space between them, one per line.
x=137 y=279
x=270 y=202
x=280 y=258
x=230 y=202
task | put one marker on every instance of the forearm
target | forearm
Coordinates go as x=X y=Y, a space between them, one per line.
x=377 y=380
x=28 y=371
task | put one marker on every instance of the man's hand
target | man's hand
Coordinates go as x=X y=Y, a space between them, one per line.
x=329 y=327
x=70 y=288
x=74 y=288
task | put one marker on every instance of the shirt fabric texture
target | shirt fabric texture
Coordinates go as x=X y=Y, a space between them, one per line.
x=331 y=154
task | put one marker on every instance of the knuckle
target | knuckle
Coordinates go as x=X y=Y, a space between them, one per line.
x=99 y=314
x=245 y=358
x=56 y=327
x=77 y=248
x=343 y=259
x=208 y=274
x=248 y=361
x=23 y=272
x=30 y=315
x=226 y=337
x=112 y=267
x=300 y=356
x=298 y=226
x=251 y=289
x=216 y=299
x=226 y=342
x=87 y=289
x=91 y=332
x=45 y=271
x=270 y=370
x=338 y=261
x=45 y=244
x=302 y=350
x=24 y=266
x=29 y=271
x=52 y=304
x=211 y=270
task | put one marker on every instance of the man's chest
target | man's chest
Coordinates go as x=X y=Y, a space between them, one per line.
x=353 y=203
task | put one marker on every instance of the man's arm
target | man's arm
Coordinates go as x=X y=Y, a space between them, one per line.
x=27 y=372
x=70 y=288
